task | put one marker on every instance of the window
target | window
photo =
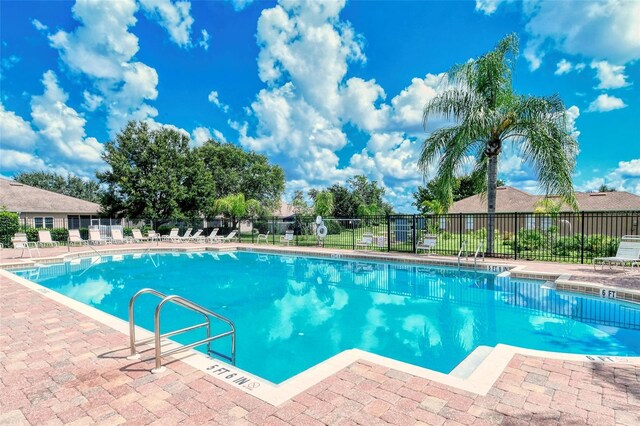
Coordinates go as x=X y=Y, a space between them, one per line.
x=469 y=222
x=43 y=222
x=443 y=222
x=546 y=223
x=530 y=222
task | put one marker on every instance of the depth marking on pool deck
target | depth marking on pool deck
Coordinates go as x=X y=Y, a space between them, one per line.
x=478 y=380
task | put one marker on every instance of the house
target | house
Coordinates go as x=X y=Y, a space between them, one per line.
x=607 y=213
x=45 y=209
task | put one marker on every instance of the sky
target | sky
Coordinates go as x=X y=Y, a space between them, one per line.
x=325 y=89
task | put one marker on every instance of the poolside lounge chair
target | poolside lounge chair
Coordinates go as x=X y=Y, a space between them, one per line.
x=196 y=237
x=263 y=237
x=287 y=237
x=172 y=234
x=365 y=241
x=20 y=241
x=137 y=236
x=428 y=243
x=44 y=239
x=212 y=236
x=228 y=238
x=153 y=236
x=628 y=252
x=75 y=238
x=117 y=238
x=183 y=238
x=96 y=238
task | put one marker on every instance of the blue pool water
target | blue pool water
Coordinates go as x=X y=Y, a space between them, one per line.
x=292 y=312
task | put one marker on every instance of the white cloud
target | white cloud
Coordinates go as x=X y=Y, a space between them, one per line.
x=200 y=135
x=15 y=161
x=625 y=177
x=565 y=67
x=533 y=54
x=607 y=30
x=39 y=25
x=174 y=17
x=572 y=115
x=240 y=4
x=215 y=99
x=91 y=101
x=409 y=104
x=61 y=127
x=610 y=76
x=488 y=7
x=629 y=168
x=204 y=41
x=604 y=103
x=359 y=99
x=16 y=132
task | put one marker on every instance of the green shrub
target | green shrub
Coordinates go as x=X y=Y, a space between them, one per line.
x=127 y=232
x=32 y=234
x=165 y=229
x=333 y=227
x=59 y=234
x=565 y=246
x=446 y=235
x=600 y=245
x=530 y=240
x=9 y=225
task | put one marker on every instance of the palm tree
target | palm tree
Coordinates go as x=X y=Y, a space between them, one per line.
x=486 y=115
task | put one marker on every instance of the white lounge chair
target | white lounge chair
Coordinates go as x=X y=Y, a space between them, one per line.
x=628 y=252
x=263 y=237
x=428 y=243
x=228 y=238
x=185 y=237
x=212 y=236
x=196 y=237
x=75 y=238
x=153 y=236
x=172 y=235
x=45 y=240
x=96 y=238
x=365 y=241
x=137 y=236
x=287 y=237
x=117 y=238
x=20 y=242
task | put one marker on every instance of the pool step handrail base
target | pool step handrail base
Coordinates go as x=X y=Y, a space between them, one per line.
x=157 y=338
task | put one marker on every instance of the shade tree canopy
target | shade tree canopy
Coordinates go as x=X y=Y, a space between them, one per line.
x=70 y=185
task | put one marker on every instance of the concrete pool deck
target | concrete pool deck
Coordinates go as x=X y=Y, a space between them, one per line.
x=60 y=365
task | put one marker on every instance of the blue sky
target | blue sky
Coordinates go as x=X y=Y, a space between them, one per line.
x=325 y=89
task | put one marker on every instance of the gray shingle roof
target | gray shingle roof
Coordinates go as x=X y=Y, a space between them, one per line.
x=509 y=199
x=20 y=198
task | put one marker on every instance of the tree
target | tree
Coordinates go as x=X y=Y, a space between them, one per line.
x=323 y=204
x=606 y=188
x=299 y=203
x=486 y=114
x=343 y=202
x=428 y=201
x=236 y=207
x=153 y=174
x=72 y=186
x=234 y=171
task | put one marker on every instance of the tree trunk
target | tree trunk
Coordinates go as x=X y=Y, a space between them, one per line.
x=493 y=149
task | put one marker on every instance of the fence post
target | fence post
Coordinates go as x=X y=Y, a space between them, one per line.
x=388 y=233
x=460 y=223
x=515 y=237
x=582 y=237
x=413 y=233
x=353 y=234
x=273 y=230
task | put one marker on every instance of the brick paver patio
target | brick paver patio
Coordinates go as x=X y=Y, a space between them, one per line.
x=58 y=366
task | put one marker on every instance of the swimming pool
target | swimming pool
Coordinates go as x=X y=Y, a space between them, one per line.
x=292 y=312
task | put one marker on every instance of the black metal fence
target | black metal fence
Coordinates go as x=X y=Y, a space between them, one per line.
x=563 y=237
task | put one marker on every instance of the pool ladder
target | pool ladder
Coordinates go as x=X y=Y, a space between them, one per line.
x=157 y=338
x=479 y=251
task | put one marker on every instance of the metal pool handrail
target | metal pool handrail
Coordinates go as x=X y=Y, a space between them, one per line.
x=181 y=301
